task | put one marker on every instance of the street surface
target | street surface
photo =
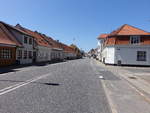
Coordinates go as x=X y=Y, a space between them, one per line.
x=142 y=72
x=68 y=87
x=127 y=92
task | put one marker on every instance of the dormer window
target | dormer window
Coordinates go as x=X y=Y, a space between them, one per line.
x=135 y=39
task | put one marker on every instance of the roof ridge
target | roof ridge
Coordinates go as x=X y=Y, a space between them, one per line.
x=103 y=35
x=10 y=36
x=46 y=39
x=117 y=31
x=13 y=27
x=138 y=28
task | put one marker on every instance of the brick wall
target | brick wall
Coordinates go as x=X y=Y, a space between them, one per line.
x=5 y=62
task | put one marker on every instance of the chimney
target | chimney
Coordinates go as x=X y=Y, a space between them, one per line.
x=18 y=25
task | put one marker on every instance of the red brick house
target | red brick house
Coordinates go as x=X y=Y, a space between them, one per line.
x=8 y=44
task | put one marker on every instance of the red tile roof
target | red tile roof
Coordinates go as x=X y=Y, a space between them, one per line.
x=39 y=39
x=68 y=49
x=54 y=44
x=102 y=36
x=128 y=30
x=14 y=28
x=6 y=37
x=44 y=40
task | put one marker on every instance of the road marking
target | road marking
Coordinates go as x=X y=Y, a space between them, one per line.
x=112 y=105
x=101 y=77
x=147 y=99
x=14 y=87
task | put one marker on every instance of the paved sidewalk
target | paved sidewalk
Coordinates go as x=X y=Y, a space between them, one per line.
x=122 y=92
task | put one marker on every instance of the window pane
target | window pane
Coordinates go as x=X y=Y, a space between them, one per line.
x=30 y=54
x=135 y=39
x=30 y=41
x=25 y=39
x=141 y=55
x=25 y=54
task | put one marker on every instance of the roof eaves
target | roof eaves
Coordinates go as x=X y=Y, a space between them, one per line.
x=10 y=36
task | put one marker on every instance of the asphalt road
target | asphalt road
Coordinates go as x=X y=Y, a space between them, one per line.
x=67 y=87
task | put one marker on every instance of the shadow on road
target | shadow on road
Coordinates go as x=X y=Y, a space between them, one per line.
x=51 y=84
x=7 y=70
x=15 y=68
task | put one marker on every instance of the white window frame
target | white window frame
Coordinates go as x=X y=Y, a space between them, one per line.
x=6 y=53
x=20 y=54
x=135 y=40
x=25 y=54
x=30 y=39
x=24 y=39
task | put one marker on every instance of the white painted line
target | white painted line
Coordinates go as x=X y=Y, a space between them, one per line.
x=147 y=99
x=10 y=87
x=110 y=101
x=101 y=77
x=14 y=87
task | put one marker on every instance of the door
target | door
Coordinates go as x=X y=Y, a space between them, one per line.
x=34 y=56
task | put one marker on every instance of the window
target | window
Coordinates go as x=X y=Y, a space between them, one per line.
x=141 y=55
x=6 y=54
x=25 y=39
x=30 y=54
x=135 y=39
x=19 y=54
x=30 y=41
x=25 y=55
x=59 y=55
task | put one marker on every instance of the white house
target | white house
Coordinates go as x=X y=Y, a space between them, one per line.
x=24 y=54
x=42 y=49
x=100 y=47
x=127 y=45
x=69 y=52
x=56 y=48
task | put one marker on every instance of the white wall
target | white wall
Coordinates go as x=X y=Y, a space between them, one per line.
x=69 y=55
x=22 y=60
x=128 y=55
x=43 y=54
x=109 y=55
x=26 y=47
x=57 y=54
x=100 y=47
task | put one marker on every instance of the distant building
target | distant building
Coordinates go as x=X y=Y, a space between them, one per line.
x=69 y=52
x=101 y=40
x=127 y=45
x=56 y=49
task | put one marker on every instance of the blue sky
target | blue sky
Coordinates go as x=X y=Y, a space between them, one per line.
x=82 y=20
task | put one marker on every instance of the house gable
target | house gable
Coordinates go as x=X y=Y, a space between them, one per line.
x=122 y=36
x=128 y=30
x=6 y=37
